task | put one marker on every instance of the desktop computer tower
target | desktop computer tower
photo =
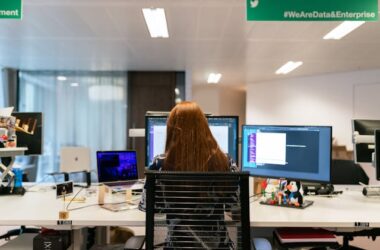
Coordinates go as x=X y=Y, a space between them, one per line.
x=52 y=240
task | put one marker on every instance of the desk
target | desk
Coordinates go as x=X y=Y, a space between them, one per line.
x=41 y=209
x=341 y=211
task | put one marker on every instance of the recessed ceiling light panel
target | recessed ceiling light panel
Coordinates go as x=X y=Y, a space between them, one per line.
x=156 y=21
x=288 y=67
x=214 y=78
x=343 y=29
x=61 y=78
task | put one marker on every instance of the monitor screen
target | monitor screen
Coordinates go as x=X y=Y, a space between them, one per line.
x=225 y=130
x=116 y=166
x=363 y=151
x=29 y=131
x=292 y=152
x=377 y=153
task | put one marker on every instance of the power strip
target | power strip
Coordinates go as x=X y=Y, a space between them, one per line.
x=371 y=191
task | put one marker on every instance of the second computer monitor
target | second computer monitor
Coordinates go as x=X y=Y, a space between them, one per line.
x=291 y=152
x=225 y=130
x=377 y=153
x=363 y=149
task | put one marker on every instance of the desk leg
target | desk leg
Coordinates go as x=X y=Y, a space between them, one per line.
x=102 y=235
x=7 y=170
x=79 y=237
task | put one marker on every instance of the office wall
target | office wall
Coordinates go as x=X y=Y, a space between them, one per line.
x=220 y=100
x=331 y=99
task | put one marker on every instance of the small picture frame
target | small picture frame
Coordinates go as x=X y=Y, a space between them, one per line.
x=64 y=188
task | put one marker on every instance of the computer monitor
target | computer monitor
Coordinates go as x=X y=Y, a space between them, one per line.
x=291 y=152
x=363 y=132
x=114 y=166
x=225 y=130
x=29 y=131
x=377 y=153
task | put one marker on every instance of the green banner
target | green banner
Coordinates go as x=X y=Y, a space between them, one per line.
x=312 y=10
x=11 y=9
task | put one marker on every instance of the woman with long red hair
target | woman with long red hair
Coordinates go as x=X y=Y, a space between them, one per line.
x=191 y=147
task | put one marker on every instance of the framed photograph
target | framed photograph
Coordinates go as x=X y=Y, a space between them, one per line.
x=64 y=188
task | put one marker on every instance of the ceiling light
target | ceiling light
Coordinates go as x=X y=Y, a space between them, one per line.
x=74 y=84
x=287 y=67
x=61 y=78
x=156 y=21
x=343 y=29
x=214 y=78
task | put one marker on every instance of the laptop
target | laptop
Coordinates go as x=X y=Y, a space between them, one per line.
x=75 y=159
x=118 y=169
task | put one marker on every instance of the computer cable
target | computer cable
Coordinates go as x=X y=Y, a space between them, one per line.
x=80 y=190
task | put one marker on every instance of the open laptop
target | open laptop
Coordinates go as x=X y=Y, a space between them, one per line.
x=118 y=169
x=75 y=159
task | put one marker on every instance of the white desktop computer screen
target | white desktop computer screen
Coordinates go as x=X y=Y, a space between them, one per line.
x=292 y=152
x=223 y=128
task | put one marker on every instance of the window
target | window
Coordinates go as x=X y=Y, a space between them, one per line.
x=79 y=109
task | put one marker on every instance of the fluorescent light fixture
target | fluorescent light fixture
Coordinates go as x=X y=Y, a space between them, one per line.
x=156 y=21
x=343 y=29
x=214 y=78
x=61 y=78
x=74 y=84
x=287 y=67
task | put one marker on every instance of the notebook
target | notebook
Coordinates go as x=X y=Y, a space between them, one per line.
x=117 y=168
x=297 y=235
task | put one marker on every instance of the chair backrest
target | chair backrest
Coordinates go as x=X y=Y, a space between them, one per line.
x=188 y=210
x=347 y=172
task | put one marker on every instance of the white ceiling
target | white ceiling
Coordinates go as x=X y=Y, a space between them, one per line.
x=205 y=36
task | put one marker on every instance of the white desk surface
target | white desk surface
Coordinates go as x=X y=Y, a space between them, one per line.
x=41 y=209
x=342 y=211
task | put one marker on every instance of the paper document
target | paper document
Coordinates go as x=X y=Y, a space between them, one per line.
x=6 y=111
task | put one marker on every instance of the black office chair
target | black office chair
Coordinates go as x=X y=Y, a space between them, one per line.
x=347 y=172
x=196 y=211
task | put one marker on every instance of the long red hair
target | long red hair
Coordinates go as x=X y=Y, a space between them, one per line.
x=190 y=145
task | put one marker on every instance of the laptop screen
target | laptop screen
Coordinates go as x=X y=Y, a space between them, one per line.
x=116 y=166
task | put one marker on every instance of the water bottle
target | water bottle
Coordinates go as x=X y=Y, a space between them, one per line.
x=18 y=177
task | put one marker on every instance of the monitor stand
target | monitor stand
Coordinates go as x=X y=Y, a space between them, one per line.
x=317 y=188
x=287 y=194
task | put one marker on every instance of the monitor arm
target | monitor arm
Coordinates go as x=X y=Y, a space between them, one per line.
x=357 y=138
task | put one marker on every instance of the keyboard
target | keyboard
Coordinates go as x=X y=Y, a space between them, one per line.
x=121 y=183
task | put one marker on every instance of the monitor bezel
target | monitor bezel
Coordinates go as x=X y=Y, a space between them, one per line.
x=235 y=117
x=289 y=126
x=377 y=153
x=355 y=145
x=26 y=153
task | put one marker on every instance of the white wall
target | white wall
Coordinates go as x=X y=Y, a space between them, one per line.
x=331 y=99
x=207 y=98
x=219 y=100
